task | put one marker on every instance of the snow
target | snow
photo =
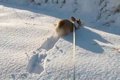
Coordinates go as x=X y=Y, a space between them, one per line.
x=30 y=49
x=34 y=65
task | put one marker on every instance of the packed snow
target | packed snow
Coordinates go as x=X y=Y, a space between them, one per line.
x=31 y=50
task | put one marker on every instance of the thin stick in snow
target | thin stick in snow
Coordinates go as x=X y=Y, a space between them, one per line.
x=74 y=52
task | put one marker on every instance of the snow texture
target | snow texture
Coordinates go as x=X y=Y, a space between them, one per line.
x=29 y=49
x=35 y=63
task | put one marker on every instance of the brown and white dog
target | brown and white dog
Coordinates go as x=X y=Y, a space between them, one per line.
x=66 y=26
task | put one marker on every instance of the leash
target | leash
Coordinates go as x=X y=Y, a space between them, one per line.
x=74 y=77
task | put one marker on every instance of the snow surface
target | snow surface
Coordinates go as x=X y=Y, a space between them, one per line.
x=30 y=49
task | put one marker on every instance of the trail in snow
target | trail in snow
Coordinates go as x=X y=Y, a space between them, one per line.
x=49 y=43
x=37 y=62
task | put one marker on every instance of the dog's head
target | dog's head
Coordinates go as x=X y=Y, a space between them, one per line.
x=77 y=22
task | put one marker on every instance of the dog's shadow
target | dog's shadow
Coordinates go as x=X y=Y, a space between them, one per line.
x=85 y=38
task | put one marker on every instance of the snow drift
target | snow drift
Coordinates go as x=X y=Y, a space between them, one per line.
x=42 y=56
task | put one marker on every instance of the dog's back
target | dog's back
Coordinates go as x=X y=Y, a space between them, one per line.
x=66 y=26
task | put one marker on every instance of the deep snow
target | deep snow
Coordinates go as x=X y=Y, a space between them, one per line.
x=29 y=49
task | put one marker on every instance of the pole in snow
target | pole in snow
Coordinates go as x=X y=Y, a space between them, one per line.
x=74 y=77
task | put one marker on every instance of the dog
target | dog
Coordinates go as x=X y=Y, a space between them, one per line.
x=66 y=26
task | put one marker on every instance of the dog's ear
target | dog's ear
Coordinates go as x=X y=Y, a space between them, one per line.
x=73 y=19
x=80 y=22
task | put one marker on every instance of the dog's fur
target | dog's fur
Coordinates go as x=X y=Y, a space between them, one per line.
x=66 y=26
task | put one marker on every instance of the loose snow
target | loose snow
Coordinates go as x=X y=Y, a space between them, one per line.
x=30 y=49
